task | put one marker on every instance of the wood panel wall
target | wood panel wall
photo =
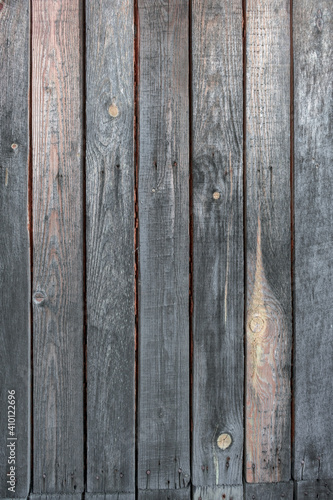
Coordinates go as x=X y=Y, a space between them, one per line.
x=165 y=249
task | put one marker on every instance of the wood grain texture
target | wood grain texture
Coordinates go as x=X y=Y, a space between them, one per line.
x=56 y=497
x=314 y=490
x=14 y=241
x=268 y=315
x=269 y=491
x=57 y=246
x=313 y=180
x=179 y=494
x=218 y=493
x=163 y=196
x=218 y=268
x=110 y=247
x=113 y=496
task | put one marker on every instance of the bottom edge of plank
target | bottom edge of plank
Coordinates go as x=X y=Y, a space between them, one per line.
x=316 y=489
x=181 y=494
x=225 y=492
x=110 y=496
x=55 y=496
x=269 y=491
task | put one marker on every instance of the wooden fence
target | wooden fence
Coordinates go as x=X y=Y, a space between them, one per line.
x=166 y=230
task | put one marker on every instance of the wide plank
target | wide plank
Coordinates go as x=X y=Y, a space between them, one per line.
x=57 y=142
x=314 y=490
x=313 y=277
x=268 y=242
x=218 y=263
x=163 y=293
x=269 y=491
x=14 y=250
x=110 y=247
x=227 y=492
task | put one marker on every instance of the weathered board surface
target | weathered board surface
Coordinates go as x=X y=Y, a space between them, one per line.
x=269 y=491
x=313 y=55
x=218 y=493
x=181 y=494
x=57 y=246
x=268 y=253
x=14 y=245
x=110 y=247
x=163 y=197
x=76 y=496
x=314 y=490
x=113 y=496
x=218 y=264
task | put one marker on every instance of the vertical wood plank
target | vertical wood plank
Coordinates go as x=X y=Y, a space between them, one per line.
x=14 y=249
x=268 y=315
x=110 y=248
x=313 y=178
x=314 y=490
x=57 y=249
x=218 y=269
x=163 y=196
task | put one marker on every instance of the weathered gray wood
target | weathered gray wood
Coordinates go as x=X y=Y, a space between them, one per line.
x=110 y=247
x=114 y=496
x=56 y=497
x=14 y=243
x=269 y=491
x=218 y=493
x=218 y=274
x=313 y=177
x=57 y=246
x=180 y=494
x=163 y=195
x=268 y=237
x=314 y=490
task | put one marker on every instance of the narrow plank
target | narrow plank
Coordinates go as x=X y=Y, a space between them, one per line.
x=110 y=247
x=218 y=493
x=57 y=246
x=218 y=269
x=180 y=494
x=314 y=490
x=14 y=247
x=268 y=277
x=163 y=195
x=313 y=55
x=114 y=496
x=56 y=497
x=269 y=491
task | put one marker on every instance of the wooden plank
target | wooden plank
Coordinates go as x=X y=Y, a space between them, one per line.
x=218 y=493
x=56 y=497
x=14 y=249
x=163 y=195
x=313 y=54
x=180 y=494
x=57 y=246
x=269 y=491
x=314 y=490
x=218 y=269
x=268 y=280
x=113 y=496
x=110 y=247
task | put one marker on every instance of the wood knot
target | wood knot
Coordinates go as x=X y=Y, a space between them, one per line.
x=256 y=324
x=224 y=441
x=113 y=110
x=39 y=298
